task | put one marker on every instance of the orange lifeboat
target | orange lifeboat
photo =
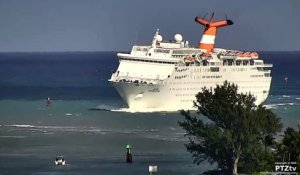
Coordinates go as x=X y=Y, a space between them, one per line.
x=205 y=56
x=188 y=59
x=244 y=55
x=254 y=55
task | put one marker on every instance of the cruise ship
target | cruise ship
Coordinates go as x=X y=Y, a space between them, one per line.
x=166 y=75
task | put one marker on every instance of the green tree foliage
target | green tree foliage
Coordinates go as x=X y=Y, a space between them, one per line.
x=236 y=129
x=289 y=148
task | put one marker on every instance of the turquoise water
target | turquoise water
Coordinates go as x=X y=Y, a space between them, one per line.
x=93 y=141
x=90 y=140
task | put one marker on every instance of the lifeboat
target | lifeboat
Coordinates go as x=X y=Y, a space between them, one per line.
x=205 y=56
x=243 y=56
x=188 y=59
x=247 y=55
x=254 y=55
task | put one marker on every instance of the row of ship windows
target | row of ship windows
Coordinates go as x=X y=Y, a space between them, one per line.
x=267 y=74
x=180 y=77
x=197 y=89
x=184 y=95
x=238 y=69
x=151 y=61
x=213 y=76
x=220 y=76
x=185 y=89
x=161 y=51
x=216 y=69
x=186 y=100
x=181 y=70
x=214 y=82
x=256 y=76
x=141 y=49
x=198 y=77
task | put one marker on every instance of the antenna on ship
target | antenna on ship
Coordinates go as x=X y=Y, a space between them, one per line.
x=207 y=41
x=155 y=37
x=212 y=16
x=204 y=15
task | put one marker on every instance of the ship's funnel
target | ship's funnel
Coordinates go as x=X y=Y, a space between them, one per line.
x=207 y=41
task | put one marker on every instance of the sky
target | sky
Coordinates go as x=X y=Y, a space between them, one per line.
x=116 y=25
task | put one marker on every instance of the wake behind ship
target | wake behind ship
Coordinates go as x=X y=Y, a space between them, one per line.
x=166 y=76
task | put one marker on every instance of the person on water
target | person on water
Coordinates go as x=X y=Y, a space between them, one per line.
x=48 y=102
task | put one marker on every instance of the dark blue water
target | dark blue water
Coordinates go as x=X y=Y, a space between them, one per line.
x=67 y=76
x=83 y=75
x=92 y=141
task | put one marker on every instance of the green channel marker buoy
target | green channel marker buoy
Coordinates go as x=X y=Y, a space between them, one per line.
x=128 y=154
x=128 y=146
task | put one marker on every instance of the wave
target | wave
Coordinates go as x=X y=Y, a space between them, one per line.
x=132 y=110
x=275 y=106
x=46 y=129
x=21 y=126
x=286 y=96
x=175 y=137
x=104 y=107
x=118 y=108
x=95 y=130
x=144 y=110
x=15 y=137
x=148 y=133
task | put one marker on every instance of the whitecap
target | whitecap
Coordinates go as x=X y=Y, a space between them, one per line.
x=144 y=110
x=22 y=126
x=271 y=106
x=103 y=107
x=172 y=128
x=177 y=137
x=15 y=137
x=275 y=106
x=286 y=96
x=152 y=130
x=49 y=133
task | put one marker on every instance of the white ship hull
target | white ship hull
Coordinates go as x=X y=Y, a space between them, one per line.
x=179 y=90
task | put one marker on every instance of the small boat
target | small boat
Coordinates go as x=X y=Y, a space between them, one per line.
x=59 y=160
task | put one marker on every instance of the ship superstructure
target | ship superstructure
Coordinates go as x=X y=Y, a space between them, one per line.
x=166 y=76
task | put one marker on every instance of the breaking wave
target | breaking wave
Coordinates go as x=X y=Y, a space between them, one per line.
x=21 y=126
x=15 y=137
x=152 y=133
x=131 y=110
x=275 y=106
x=79 y=129
x=143 y=110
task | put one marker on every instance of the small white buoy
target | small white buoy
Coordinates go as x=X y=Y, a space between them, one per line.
x=152 y=169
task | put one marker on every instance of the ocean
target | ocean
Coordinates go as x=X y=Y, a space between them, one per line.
x=92 y=140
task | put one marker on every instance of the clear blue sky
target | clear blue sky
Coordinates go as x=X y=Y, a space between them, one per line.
x=101 y=25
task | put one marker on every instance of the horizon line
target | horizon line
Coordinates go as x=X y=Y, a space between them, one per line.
x=85 y=51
